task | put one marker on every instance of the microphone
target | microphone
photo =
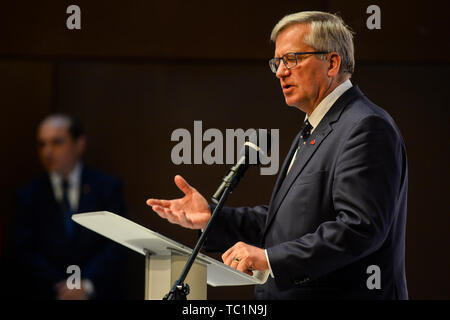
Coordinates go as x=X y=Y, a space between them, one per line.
x=254 y=150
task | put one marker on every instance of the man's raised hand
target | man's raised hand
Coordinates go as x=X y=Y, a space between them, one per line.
x=191 y=211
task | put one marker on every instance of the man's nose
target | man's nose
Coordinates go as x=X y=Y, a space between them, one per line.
x=282 y=71
x=47 y=149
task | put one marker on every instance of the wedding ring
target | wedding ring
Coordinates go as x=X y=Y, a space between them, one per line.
x=236 y=259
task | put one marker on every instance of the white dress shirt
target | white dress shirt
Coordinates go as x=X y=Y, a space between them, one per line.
x=314 y=119
x=74 y=184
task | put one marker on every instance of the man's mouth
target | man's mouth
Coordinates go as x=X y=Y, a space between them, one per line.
x=287 y=87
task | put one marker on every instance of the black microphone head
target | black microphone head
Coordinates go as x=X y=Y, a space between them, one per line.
x=256 y=147
x=253 y=152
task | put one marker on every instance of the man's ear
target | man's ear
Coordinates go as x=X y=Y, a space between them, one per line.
x=334 y=64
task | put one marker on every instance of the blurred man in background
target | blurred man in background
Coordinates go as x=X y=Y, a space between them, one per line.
x=46 y=240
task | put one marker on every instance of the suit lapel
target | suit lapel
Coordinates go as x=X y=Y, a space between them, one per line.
x=324 y=128
x=304 y=155
x=85 y=201
x=49 y=197
x=284 y=168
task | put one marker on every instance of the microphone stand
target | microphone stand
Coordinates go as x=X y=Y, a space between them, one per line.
x=180 y=290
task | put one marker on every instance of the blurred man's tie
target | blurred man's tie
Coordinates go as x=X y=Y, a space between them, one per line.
x=66 y=209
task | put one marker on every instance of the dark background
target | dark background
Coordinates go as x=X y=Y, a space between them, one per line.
x=137 y=70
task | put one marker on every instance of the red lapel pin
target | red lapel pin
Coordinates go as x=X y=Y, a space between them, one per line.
x=313 y=141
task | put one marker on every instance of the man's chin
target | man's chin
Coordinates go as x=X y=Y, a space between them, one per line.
x=291 y=102
x=48 y=168
x=52 y=169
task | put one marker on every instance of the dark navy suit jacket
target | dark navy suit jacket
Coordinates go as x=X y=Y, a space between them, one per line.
x=43 y=251
x=341 y=209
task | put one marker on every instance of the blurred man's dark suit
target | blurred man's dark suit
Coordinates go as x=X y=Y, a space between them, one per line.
x=43 y=250
x=340 y=209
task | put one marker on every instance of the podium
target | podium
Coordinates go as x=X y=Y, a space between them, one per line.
x=165 y=258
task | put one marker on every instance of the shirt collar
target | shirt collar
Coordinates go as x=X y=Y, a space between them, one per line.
x=73 y=178
x=326 y=103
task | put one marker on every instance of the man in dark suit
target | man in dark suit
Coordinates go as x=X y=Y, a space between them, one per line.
x=46 y=240
x=335 y=225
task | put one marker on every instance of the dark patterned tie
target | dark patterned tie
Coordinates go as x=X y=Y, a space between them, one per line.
x=66 y=210
x=306 y=132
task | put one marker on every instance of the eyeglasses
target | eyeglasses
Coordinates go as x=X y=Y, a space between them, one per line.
x=290 y=59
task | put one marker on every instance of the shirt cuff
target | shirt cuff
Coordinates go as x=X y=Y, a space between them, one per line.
x=268 y=263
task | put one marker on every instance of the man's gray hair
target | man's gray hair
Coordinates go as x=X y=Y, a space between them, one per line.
x=328 y=33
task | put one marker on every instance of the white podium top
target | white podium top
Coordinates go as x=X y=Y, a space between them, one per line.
x=140 y=239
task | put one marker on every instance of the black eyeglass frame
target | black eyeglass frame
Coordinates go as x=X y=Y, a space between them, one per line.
x=274 y=63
